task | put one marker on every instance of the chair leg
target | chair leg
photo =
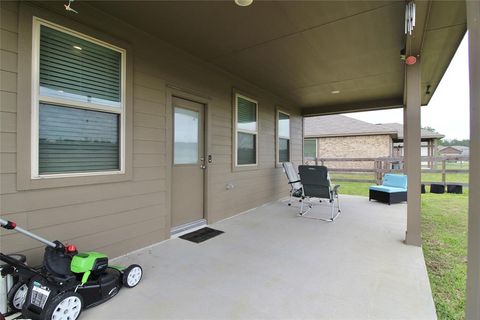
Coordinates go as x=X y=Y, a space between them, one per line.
x=332 y=202
x=338 y=203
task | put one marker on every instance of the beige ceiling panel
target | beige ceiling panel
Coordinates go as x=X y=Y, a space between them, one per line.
x=307 y=14
x=203 y=28
x=437 y=53
x=447 y=13
x=303 y=50
x=363 y=89
x=329 y=54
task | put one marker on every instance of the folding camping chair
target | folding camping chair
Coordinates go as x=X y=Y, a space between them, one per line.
x=293 y=181
x=316 y=184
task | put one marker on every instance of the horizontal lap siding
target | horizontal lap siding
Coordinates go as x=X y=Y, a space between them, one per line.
x=120 y=217
x=8 y=97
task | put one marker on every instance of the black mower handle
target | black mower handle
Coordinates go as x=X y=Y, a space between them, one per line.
x=11 y=225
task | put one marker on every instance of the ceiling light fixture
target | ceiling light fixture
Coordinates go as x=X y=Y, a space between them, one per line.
x=77 y=47
x=335 y=91
x=243 y=3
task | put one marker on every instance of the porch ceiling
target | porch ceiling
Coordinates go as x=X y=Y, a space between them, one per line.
x=305 y=50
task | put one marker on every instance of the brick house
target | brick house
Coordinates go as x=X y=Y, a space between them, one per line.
x=338 y=136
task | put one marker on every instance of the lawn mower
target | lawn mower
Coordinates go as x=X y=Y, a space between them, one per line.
x=66 y=283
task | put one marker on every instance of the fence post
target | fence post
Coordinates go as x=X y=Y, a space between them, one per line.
x=377 y=165
x=444 y=175
x=316 y=161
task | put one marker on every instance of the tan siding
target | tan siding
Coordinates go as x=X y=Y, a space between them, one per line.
x=10 y=6
x=8 y=19
x=8 y=61
x=124 y=216
x=8 y=183
x=50 y=198
x=8 y=81
x=8 y=141
x=8 y=163
x=8 y=101
x=8 y=40
x=8 y=122
x=89 y=210
x=148 y=107
x=148 y=120
x=149 y=134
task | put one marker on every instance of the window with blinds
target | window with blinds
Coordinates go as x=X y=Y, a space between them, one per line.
x=246 y=130
x=78 y=69
x=283 y=127
x=80 y=105
x=76 y=140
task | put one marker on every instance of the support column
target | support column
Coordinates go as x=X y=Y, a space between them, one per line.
x=473 y=267
x=404 y=149
x=412 y=136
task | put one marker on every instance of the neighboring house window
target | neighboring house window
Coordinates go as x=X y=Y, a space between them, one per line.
x=283 y=132
x=79 y=108
x=310 y=149
x=246 y=131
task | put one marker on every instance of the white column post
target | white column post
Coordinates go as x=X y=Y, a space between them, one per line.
x=473 y=267
x=412 y=137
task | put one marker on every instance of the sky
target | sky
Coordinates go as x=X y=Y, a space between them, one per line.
x=448 y=110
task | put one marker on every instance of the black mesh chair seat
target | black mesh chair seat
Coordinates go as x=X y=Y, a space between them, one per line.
x=316 y=184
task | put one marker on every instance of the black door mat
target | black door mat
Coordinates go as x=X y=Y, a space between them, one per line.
x=201 y=235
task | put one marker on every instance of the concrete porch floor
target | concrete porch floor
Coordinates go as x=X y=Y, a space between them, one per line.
x=271 y=264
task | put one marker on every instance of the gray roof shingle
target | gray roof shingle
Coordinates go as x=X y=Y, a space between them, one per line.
x=339 y=125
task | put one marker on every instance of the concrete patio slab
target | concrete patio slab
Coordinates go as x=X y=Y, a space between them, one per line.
x=271 y=264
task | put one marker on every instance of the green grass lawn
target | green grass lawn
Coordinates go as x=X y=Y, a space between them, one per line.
x=444 y=232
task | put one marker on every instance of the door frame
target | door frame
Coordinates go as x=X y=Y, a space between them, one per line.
x=173 y=91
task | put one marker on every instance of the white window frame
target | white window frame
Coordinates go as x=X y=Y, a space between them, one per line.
x=237 y=130
x=278 y=136
x=62 y=102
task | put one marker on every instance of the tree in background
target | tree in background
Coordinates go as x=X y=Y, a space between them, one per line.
x=429 y=129
x=449 y=142
x=455 y=142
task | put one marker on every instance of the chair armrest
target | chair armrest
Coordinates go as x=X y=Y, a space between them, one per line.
x=335 y=188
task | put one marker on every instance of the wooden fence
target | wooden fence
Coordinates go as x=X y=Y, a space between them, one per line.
x=383 y=165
